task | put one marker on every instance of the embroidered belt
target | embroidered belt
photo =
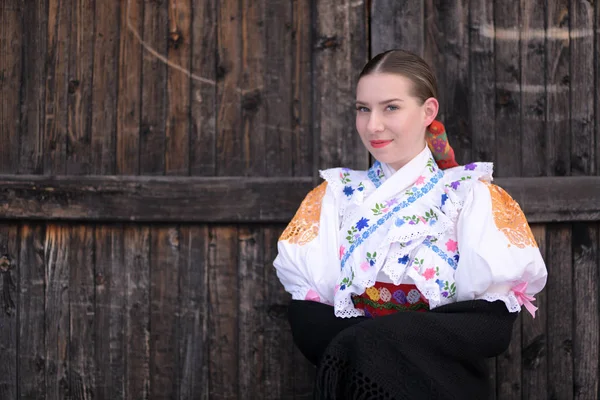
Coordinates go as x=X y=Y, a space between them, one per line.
x=386 y=298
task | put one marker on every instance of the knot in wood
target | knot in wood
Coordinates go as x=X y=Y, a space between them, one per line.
x=175 y=39
x=332 y=42
x=5 y=263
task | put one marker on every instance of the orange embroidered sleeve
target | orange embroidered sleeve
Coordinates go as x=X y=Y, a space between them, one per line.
x=305 y=225
x=509 y=218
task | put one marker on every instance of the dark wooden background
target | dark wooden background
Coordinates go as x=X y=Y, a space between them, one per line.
x=151 y=152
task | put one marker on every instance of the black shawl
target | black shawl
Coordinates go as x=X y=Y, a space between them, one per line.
x=439 y=354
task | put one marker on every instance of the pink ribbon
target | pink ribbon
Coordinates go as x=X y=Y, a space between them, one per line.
x=523 y=298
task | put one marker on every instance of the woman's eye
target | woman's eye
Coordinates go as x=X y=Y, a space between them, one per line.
x=362 y=109
x=392 y=108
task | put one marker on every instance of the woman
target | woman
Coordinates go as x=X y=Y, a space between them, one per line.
x=405 y=277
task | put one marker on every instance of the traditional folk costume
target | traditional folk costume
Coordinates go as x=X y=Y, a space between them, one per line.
x=433 y=237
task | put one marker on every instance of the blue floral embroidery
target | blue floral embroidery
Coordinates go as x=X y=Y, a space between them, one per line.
x=362 y=224
x=444 y=198
x=348 y=191
x=450 y=260
x=470 y=167
x=404 y=260
x=374 y=173
x=359 y=240
x=400 y=222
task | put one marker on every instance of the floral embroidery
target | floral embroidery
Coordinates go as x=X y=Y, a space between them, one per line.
x=348 y=191
x=449 y=290
x=429 y=217
x=420 y=180
x=429 y=273
x=375 y=174
x=342 y=249
x=352 y=233
x=404 y=260
x=452 y=245
x=413 y=296
x=454 y=185
x=373 y=293
x=470 y=167
x=360 y=187
x=371 y=258
x=362 y=224
x=304 y=227
x=380 y=209
x=450 y=260
x=365 y=265
x=400 y=296
x=509 y=218
x=344 y=177
x=347 y=281
x=444 y=199
x=385 y=294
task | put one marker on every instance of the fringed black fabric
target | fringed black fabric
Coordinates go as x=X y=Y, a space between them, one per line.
x=440 y=354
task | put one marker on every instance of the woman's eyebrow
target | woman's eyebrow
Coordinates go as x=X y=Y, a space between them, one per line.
x=381 y=102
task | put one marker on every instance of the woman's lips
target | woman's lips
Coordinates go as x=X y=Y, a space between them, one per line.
x=379 y=143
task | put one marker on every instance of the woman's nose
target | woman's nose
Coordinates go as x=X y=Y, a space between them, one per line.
x=375 y=124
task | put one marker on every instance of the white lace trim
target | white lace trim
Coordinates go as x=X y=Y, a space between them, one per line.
x=512 y=304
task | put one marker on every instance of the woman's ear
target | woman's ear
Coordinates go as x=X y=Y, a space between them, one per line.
x=432 y=107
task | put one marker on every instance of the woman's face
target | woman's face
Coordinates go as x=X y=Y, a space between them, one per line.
x=390 y=121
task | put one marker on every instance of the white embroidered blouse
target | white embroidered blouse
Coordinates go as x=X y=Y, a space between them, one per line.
x=451 y=233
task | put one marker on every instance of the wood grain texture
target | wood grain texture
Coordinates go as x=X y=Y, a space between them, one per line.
x=339 y=53
x=164 y=310
x=586 y=324
x=32 y=96
x=154 y=89
x=223 y=336
x=507 y=57
x=203 y=98
x=558 y=157
x=277 y=123
x=129 y=89
x=177 y=146
x=9 y=304
x=230 y=152
x=482 y=80
x=57 y=81
x=279 y=367
x=533 y=92
x=56 y=318
x=397 y=24
x=11 y=42
x=104 y=108
x=80 y=88
x=193 y=367
x=82 y=369
x=535 y=336
x=596 y=50
x=560 y=318
x=303 y=138
x=251 y=322
x=582 y=92
x=32 y=279
x=136 y=245
x=253 y=85
x=447 y=52
x=110 y=285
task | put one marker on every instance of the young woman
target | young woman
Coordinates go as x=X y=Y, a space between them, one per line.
x=416 y=232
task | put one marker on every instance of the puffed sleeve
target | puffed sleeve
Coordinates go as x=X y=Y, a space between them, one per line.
x=307 y=262
x=499 y=257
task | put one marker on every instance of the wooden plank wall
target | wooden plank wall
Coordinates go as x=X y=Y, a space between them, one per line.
x=263 y=89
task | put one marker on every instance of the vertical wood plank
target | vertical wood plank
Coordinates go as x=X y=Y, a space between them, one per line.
x=203 y=89
x=80 y=259
x=397 y=24
x=535 y=335
x=223 y=298
x=154 y=89
x=251 y=325
x=32 y=280
x=56 y=103
x=164 y=299
x=229 y=146
x=557 y=88
x=33 y=76
x=253 y=86
x=110 y=312
x=129 y=89
x=278 y=125
x=597 y=81
x=582 y=94
x=585 y=334
x=533 y=90
x=9 y=308
x=560 y=321
x=136 y=245
x=482 y=78
x=508 y=88
x=447 y=51
x=340 y=51
x=57 y=323
x=11 y=41
x=105 y=87
x=193 y=304
x=81 y=60
x=302 y=128
x=278 y=344
x=177 y=152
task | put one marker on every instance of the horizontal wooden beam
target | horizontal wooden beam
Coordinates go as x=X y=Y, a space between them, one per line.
x=239 y=199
